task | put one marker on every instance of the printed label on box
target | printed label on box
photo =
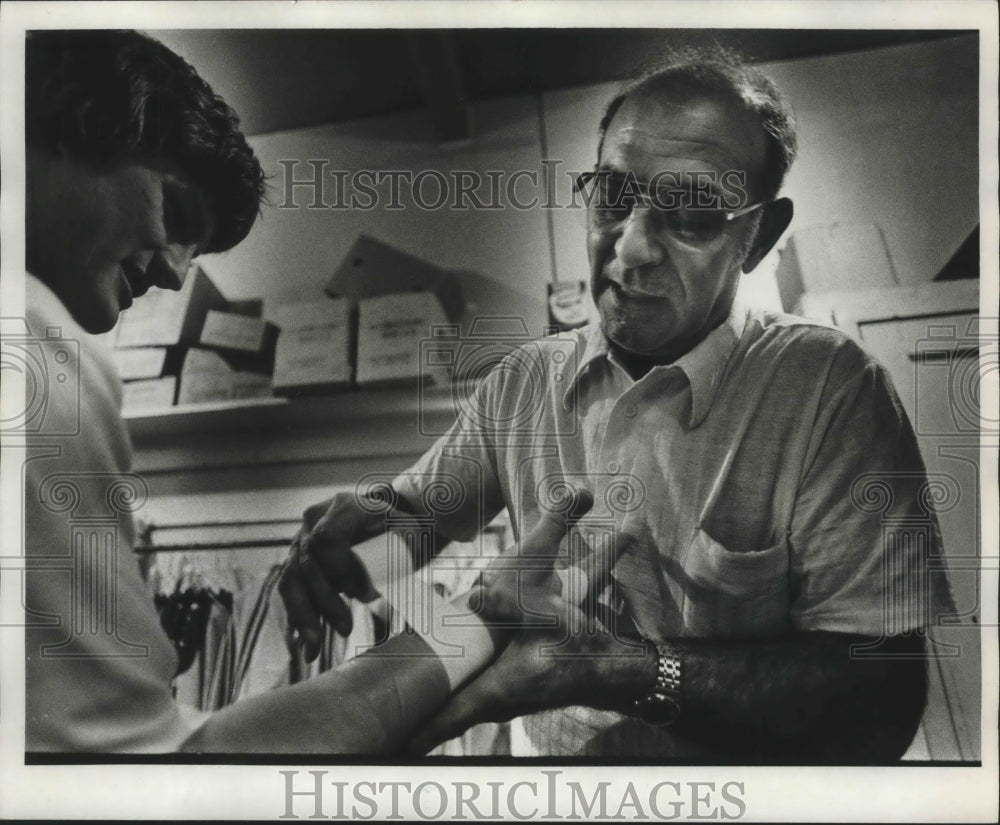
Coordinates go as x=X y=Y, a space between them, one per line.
x=227 y=330
x=314 y=344
x=390 y=330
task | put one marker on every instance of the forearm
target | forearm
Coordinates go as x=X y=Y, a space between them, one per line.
x=369 y=705
x=308 y=717
x=801 y=696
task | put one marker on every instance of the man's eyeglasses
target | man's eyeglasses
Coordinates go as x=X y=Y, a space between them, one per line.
x=690 y=215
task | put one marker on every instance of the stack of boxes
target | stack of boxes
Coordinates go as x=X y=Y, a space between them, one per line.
x=390 y=298
x=819 y=264
x=234 y=357
x=194 y=347
x=152 y=337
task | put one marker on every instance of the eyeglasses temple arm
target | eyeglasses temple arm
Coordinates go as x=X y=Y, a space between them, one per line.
x=738 y=213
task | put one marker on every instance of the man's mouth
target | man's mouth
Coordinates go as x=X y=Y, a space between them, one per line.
x=626 y=295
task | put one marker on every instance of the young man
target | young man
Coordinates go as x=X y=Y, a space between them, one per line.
x=134 y=167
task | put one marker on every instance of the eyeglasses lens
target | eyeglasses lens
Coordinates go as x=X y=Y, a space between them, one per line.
x=676 y=210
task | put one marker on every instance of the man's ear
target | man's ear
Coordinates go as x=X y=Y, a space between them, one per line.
x=777 y=215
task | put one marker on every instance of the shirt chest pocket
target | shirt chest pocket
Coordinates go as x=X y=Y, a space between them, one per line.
x=725 y=593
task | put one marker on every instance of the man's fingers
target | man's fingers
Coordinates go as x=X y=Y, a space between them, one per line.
x=324 y=597
x=523 y=605
x=315 y=512
x=538 y=549
x=592 y=573
x=322 y=565
x=301 y=614
x=328 y=546
x=542 y=541
x=519 y=590
x=583 y=500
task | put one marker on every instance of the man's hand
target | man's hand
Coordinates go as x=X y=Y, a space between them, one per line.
x=557 y=655
x=321 y=565
x=539 y=669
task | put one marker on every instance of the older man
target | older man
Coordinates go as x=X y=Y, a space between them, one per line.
x=753 y=586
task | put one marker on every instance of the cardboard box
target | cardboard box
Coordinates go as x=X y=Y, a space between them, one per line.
x=313 y=351
x=240 y=333
x=149 y=394
x=838 y=257
x=372 y=268
x=390 y=331
x=162 y=317
x=140 y=362
x=207 y=376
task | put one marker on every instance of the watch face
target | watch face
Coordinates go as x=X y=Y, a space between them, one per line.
x=659 y=710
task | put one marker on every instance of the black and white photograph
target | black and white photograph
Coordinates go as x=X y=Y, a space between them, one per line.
x=500 y=411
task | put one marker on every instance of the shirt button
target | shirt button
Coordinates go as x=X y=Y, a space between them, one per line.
x=613 y=467
x=631 y=411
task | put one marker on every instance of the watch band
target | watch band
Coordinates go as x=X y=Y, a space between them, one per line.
x=662 y=705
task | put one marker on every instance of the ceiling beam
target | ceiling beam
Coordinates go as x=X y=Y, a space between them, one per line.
x=442 y=84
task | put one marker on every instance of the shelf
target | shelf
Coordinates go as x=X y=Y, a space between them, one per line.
x=213 y=408
x=274 y=442
x=414 y=403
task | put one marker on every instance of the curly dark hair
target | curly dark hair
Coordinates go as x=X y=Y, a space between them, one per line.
x=105 y=97
x=719 y=70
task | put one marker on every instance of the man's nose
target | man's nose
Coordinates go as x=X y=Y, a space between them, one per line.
x=639 y=244
x=169 y=266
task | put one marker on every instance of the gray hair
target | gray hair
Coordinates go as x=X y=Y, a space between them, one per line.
x=723 y=72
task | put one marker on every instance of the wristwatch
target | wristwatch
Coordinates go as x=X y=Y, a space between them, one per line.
x=662 y=705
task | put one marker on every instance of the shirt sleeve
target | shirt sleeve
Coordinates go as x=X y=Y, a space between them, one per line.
x=456 y=481
x=865 y=546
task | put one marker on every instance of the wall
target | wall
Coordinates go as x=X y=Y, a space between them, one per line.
x=890 y=136
x=503 y=253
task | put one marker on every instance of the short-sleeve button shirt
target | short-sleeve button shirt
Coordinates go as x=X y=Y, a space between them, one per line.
x=766 y=482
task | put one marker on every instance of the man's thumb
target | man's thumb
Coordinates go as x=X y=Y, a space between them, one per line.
x=542 y=541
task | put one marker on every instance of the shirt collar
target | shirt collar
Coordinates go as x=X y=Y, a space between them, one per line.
x=704 y=366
